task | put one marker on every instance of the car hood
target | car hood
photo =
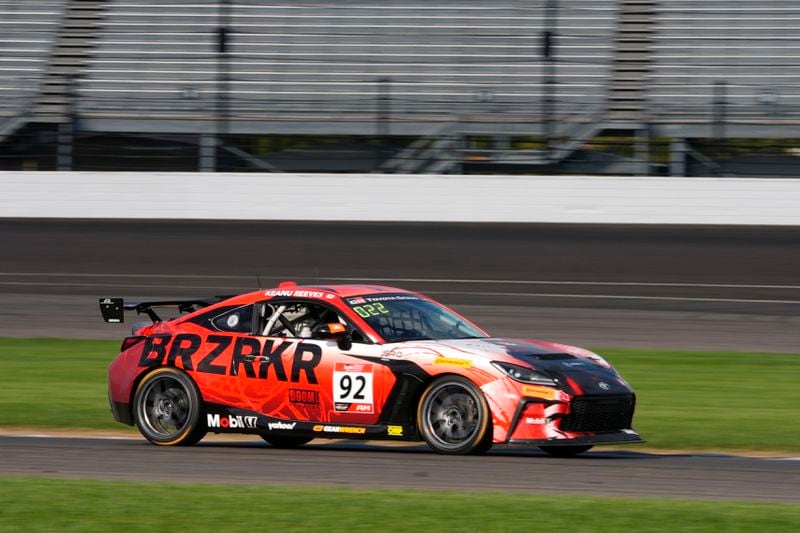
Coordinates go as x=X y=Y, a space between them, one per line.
x=583 y=371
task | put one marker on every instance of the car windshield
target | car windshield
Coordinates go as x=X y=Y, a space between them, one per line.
x=404 y=317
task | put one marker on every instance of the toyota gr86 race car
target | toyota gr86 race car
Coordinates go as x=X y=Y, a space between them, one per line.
x=360 y=362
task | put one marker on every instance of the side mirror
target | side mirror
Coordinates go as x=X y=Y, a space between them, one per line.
x=335 y=331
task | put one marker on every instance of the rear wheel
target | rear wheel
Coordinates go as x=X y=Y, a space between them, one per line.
x=286 y=442
x=565 y=451
x=454 y=418
x=168 y=408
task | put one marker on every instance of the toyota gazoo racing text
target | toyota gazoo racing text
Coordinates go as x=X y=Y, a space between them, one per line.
x=360 y=362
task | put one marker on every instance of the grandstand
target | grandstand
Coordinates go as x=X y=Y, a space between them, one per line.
x=753 y=47
x=432 y=76
x=28 y=31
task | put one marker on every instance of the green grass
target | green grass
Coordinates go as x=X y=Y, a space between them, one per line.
x=52 y=383
x=705 y=400
x=702 y=400
x=41 y=504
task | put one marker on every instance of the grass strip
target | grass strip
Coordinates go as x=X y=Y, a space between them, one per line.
x=42 y=504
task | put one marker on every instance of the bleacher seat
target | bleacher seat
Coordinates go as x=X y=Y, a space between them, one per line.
x=751 y=47
x=27 y=33
x=321 y=60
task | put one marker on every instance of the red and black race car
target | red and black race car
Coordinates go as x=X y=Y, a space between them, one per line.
x=360 y=362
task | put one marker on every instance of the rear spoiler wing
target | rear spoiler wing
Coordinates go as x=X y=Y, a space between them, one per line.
x=113 y=309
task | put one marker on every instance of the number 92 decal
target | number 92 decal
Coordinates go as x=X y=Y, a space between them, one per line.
x=352 y=384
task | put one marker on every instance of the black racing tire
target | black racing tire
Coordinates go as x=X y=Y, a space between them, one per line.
x=168 y=409
x=453 y=417
x=565 y=451
x=282 y=441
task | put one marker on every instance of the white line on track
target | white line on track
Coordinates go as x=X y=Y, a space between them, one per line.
x=66 y=436
x=617 y=297
x=446 y=293
x=415 y=280
x=244 y=438
x=126 y=285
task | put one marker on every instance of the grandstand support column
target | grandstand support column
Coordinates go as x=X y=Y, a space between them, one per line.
x=719 y=111
x=677 y=157
x=549 y=77
x=65 y=138
x=383 y=117
x=207 y=152
x=641 y=148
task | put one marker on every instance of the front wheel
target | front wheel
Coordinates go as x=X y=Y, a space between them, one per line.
x=454 y=418
x=168 y=408
x=286 y=442
x=565 y=451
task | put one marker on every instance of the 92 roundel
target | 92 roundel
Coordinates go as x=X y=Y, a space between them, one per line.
x=293 y=364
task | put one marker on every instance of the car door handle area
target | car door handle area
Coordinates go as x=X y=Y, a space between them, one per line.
x=257 y=358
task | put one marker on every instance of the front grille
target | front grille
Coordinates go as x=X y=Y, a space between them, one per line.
x=599 y=413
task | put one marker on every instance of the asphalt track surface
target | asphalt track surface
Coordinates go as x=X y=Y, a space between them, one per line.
x=599 y=286
x=613 y=286
x=614 y=473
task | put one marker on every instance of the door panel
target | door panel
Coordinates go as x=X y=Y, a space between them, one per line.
x=310 y=380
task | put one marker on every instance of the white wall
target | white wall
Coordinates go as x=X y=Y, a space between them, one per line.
x=374 y=197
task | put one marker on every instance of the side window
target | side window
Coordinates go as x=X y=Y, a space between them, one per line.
x=298 y=319
x=239 y=320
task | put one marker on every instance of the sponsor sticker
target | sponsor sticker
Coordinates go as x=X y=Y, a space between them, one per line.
x=285 y=426
x=303 y=396
x=404 y=352
x=358 y=408
x=390 y=298
x=452 y=361
x=340 y=429
x=535 y=421
x=394 y=431
x=539 y=391
x=193 y=352
x=299 y=293
x=231 y=422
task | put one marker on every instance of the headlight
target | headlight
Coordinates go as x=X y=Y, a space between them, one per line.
x=524 y=375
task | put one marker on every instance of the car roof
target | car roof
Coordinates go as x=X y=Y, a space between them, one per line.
x=343 y=291
x=347 y=291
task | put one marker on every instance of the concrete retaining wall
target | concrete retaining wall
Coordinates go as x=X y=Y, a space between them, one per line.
x=374 y=197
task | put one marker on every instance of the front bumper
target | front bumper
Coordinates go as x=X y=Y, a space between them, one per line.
x=580 y=420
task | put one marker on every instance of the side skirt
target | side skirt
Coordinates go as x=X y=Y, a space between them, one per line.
x=223 y=419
